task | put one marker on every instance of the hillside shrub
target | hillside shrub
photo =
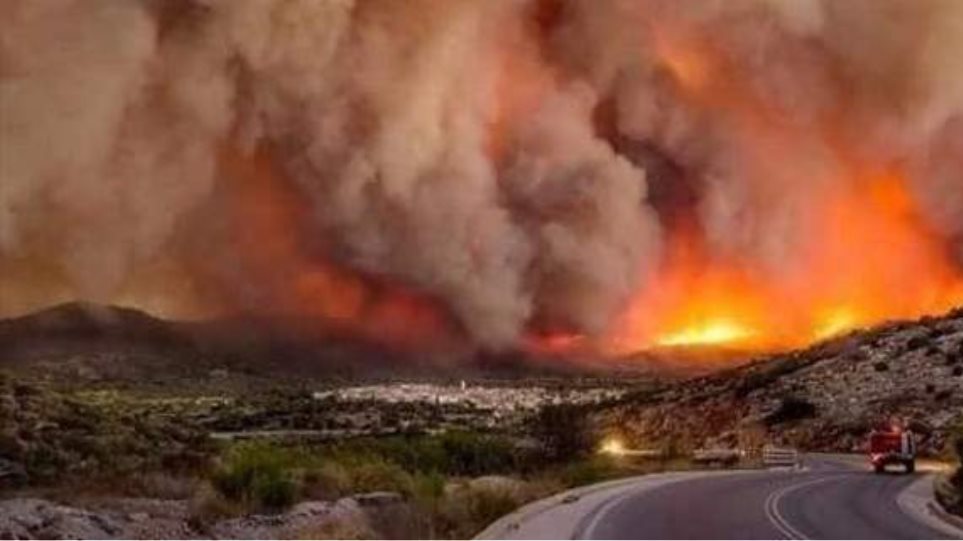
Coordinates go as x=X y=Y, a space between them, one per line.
x=587 y=472
x=791 y=409
x=456 y=453
x=763 y=376
x=257 y=475
x=53 y=437
x=468 y=508
x=488 y=505
x=562 y=433
x=916 y=342
x=373 y=474
x=329 y=481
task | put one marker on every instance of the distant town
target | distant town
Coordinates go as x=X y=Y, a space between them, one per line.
x=501 y=401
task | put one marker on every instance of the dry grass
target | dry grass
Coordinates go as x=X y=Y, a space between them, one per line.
x=162 y=486
x=208 y=506
x=329 y=481
x=342 y=528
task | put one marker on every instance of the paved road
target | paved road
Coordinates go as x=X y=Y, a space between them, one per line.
x=832 y=500
x=834 y=497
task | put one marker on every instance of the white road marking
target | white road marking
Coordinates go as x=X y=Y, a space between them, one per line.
x=589 y=532
x=772 y=506
x=583 y=518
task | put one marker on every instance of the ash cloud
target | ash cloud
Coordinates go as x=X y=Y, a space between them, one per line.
x=456 y=147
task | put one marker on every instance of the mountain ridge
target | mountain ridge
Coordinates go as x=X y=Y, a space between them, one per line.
x=90 y=342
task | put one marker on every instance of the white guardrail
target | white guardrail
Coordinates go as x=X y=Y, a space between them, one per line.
x=780 y=457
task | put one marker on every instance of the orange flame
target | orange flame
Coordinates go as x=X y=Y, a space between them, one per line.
x=871 y=259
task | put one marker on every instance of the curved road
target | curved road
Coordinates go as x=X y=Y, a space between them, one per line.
x=830 y=499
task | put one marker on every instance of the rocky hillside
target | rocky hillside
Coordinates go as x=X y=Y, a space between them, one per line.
x=826 y=397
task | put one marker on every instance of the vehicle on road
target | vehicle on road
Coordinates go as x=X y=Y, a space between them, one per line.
x=892 y=446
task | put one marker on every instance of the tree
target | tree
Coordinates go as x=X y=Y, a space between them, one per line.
x=562 y=432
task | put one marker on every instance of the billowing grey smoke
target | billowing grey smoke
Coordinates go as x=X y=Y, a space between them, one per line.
x=466 y=148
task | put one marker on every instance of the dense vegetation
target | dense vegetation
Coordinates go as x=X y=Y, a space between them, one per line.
x=47 y=437
x=452 y=483
x=272 y=476
x=456 y=482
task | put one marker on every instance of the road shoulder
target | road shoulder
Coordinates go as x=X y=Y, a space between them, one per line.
x=918 y=501
x=564 y=515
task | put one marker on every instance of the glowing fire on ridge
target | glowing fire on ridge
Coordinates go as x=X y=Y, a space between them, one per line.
x=869 y=259
x=708 y=333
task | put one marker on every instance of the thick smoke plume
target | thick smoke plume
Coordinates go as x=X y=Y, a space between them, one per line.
x=497 y=167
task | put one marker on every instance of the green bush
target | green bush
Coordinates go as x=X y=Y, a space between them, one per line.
x=375 y=474
x=466 y=510
x=471 y=454
x=455 y=453
x=270 y=475
x=257 y=475
x=488 y=505
x=329 y=481
x=587 y=472
x=428 y=488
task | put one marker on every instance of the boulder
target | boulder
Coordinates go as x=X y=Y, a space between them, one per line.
x=40 y=519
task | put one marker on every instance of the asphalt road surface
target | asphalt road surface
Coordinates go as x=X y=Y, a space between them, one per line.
x=831 y=500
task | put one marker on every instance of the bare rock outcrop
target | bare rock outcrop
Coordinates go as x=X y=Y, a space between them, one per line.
x=31 y=518
x=41 y=519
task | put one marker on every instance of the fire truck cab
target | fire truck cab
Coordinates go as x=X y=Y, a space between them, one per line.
x=892 y=446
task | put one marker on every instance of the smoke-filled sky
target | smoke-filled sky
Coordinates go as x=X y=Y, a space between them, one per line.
x=609 y=168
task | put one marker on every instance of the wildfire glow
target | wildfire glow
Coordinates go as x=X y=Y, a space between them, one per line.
x=870 y=259
x=836 y=322
x=708 y=333
x=686 y=65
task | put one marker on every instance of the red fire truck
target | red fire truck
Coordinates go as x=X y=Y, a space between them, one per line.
x=892 y=446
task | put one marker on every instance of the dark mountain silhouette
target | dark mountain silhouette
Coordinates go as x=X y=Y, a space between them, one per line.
x=83 y=342
x=87 y=342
